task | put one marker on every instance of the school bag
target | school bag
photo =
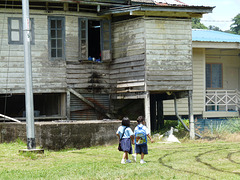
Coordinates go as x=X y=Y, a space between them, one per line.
x=140 y=135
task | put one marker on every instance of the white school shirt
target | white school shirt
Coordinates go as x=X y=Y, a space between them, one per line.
x=128 y=132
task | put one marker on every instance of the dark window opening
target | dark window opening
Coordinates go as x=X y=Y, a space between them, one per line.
x=94 y=39
x=44 y=105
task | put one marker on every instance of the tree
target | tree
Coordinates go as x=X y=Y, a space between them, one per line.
x=214 y=28
x=235 y=27
x=196 y=24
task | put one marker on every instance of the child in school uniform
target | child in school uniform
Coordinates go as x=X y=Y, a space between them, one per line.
x=141 y=133
x=125 y=135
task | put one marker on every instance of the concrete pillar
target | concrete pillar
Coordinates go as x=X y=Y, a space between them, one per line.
x=191 y=119
x=147 y=110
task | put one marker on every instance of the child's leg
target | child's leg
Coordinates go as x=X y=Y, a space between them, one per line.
x=142 y=155
x=125 y=155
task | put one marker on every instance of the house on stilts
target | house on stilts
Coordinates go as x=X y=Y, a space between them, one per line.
x=216 y=76
x=98 y=59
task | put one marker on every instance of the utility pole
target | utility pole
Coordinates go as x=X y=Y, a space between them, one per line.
x=31 y=143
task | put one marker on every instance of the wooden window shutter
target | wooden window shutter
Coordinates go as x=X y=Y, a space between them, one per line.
x=83 y=39
x=106 y=40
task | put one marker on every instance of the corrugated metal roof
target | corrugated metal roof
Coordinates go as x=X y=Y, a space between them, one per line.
x=169 y=2
x=213 y=36
x=162 y=2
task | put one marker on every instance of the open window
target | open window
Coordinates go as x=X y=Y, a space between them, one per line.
x=94 y=40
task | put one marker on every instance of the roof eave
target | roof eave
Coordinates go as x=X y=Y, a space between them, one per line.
x=155 y=8
x=215 y=45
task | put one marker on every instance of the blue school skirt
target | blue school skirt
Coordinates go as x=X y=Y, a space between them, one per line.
x=126 y=145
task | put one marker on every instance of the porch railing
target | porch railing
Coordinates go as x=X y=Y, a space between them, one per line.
x=222 y=100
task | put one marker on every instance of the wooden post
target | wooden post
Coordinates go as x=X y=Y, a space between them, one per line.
x=160 y=117
x=191 y=120
x=153 y=112
x=68 y=105
x=147 y=110
x=63 y=105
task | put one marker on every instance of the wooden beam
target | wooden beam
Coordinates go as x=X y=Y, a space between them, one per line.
x=63 y=104
x=160 y=116
x=153 y=113
x=68 y=105
x=9 y=118
x=65 y=7
x=99 y=109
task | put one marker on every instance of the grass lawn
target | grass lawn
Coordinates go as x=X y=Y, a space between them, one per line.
x=188 y=160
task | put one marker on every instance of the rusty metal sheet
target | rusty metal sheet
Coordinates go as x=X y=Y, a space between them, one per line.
x=79 y=110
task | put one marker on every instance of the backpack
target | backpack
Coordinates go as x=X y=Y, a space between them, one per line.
x=140 y=135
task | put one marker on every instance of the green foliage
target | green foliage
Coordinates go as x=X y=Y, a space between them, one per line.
x=235 y=27
x=214 y=28
x=180 y=125
x=20 y=142
x=167 y=125
x=230 y=126
x=30 y=155
x=196 y=24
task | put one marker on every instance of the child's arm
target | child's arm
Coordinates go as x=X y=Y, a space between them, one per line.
x=150 y=138
x=118 y=136
x=132 y=138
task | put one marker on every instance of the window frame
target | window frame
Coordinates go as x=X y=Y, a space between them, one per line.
x=102 y=40
x=20 y=31
x=211 y=78
x=50 y=18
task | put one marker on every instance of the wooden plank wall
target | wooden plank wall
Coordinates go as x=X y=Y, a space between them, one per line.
x=48 y=76
x=198 y=88
x=168 y=54
x=86 y=76
x=127 y=72
x=231 y=64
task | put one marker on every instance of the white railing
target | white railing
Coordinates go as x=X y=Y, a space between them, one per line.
x=222 y=100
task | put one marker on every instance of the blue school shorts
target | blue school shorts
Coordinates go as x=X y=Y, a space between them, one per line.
x=142 y=148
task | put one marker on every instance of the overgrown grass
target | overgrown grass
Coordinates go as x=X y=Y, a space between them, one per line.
x=197 y=159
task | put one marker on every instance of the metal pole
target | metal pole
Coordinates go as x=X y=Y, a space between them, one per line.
x=31 y=144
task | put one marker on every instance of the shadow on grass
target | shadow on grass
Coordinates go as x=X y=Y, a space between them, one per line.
x=170 y=167
x=198 y=159
x=230 y=157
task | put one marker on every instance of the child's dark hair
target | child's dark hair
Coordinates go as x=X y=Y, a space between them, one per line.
x=140 y=119
x=126 y=121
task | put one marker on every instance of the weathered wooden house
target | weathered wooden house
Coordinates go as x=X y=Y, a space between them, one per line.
x=216 y=76
x=98 y=59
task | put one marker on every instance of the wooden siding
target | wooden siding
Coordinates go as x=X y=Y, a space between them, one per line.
x=127 y=72
x=198 y=88
x=48 y=76
x=231 y=65
x=86 y=76
x=168 y=54
x=201 y=56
